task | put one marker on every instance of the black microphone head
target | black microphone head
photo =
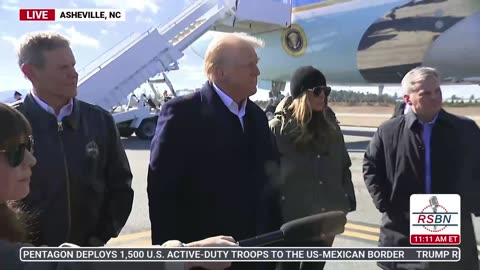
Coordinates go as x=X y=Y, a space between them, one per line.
x=315 y=227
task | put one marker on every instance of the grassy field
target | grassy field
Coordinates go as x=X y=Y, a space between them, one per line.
x=388 y=109
x=374 y=115
x=380 y=113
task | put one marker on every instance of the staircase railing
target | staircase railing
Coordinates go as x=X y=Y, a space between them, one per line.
x=109 y=55
x=126 y=39
x=130 y=41
x=172 y=22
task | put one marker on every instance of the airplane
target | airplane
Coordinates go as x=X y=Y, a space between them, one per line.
x=371 y=42
x=353 y=42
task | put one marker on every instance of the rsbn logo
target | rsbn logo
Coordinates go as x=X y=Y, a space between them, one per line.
x=435 y=219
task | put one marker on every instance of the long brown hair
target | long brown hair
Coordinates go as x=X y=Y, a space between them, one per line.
x=12 y=219
x=317 y=130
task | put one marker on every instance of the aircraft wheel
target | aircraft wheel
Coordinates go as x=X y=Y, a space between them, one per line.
x=146 y=130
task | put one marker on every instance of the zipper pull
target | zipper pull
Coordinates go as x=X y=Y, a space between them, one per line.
x=60 y=126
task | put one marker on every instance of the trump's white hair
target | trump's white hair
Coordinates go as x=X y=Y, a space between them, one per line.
x=213 y=56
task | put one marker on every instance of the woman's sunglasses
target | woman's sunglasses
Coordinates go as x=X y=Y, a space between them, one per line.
x=317 y=90
x=16 y=154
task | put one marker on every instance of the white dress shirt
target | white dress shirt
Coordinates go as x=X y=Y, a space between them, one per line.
x=232 y=105
x=407 y=107
x=64 y=111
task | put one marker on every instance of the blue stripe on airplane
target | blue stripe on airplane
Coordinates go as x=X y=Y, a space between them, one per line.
x=298 y=3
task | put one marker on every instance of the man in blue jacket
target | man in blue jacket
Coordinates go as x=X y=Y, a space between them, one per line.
x=81 y=186
x=212 y=156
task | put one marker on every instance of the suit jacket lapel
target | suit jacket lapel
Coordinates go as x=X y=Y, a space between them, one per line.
x=215 y=110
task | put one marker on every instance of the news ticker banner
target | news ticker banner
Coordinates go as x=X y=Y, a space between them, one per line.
x=247 y=254
x=435 y=219
x=72 y=15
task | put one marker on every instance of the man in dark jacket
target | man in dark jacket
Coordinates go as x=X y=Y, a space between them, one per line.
x=425 y=151
x=399 y=109
x=212 y=154
x=81 y=186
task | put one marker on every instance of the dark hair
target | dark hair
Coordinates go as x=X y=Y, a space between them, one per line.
x=12 y=220
x=14 y=126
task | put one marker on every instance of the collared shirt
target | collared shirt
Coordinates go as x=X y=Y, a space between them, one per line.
x=232 y=105
x=407 y=107
x=426 y=136
x=64 y=111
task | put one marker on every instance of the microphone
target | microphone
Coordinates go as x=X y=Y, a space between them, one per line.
x=309 y=228
x=434 y=205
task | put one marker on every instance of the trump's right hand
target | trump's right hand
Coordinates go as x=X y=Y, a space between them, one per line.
x=216 y=241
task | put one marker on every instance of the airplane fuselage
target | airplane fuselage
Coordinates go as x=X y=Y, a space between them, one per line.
x=359 y=42
x=376 y=41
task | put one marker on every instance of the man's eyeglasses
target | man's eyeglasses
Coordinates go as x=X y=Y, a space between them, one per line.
x=317 y=90
x=15 y=154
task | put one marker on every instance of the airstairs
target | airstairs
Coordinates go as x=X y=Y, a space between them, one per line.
x=109 y=79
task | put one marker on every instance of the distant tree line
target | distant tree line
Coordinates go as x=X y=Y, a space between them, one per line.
x=357 y=98
x=351 y=97
x=458 y=100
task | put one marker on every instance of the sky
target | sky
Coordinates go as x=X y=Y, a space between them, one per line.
x=89 y=40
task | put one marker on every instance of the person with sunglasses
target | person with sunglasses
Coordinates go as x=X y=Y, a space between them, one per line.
x=314 y=174
x=16 y=163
